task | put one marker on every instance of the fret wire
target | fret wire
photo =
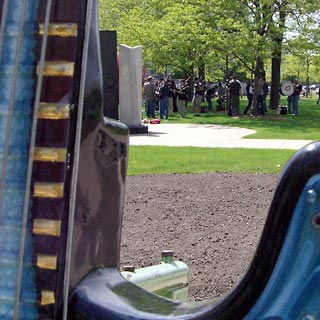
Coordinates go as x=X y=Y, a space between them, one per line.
x=30 y=158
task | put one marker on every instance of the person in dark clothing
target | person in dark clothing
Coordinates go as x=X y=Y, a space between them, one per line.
x=182 y=98
x=296 y=97
x=235 y=91
x=249 y=89
x=222 y=97
x=172 y=95
x=164 y=99
x=210 y=93
x=198 y=92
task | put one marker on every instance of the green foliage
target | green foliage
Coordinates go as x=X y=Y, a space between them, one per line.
x=222 y=35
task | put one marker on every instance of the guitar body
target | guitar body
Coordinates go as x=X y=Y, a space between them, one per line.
x=53 y=138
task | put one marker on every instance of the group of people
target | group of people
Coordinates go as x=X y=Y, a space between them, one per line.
x=164 y=95
x=262 y=93
x=228 y=96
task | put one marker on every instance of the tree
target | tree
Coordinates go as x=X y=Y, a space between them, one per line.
x=268 y=23
x=166 y=40
x=212 y=36
x=288 y=19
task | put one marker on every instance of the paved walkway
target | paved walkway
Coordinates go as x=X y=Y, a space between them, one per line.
x=211 y=136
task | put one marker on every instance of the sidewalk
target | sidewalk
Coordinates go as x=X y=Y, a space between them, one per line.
x=211 y=136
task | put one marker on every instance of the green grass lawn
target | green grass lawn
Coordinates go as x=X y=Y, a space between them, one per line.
x=305 y=126
x=165 y=160
x=158 y=160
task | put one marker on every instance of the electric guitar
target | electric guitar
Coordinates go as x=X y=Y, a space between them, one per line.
x=63 y=169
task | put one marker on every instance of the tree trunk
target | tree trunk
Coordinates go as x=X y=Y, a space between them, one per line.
x=275 y=82
x=308 y=79
x=226 y=75
x=259 y=72
x=276 y=60
x=201 y=72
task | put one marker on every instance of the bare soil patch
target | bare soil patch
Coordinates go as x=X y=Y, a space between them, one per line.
x=211 y=221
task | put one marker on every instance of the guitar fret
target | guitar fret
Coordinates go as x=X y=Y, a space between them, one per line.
x=48 y=190
x=50 y=154
x=57 y=69
x=47 y=297
x=60 y=29
x=47 y=227
x=47 y=262
x=54 y=111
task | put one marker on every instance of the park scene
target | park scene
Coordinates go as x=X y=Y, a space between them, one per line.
x=209 y=204
x=159 y=160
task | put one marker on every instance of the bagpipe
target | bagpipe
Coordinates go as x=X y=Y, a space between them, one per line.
x=161 y=84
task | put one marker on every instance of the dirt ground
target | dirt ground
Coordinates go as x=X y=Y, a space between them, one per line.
x=211 y=221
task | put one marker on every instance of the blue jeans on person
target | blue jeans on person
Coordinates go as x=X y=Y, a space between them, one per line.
x=295 y=102
x=209 y=101
x=150 y=109
x=164 y=107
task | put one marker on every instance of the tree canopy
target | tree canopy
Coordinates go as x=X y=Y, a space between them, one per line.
x=219 y=36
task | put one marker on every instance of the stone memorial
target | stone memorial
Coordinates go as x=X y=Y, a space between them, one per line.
x=110 y=74
x=130 y=88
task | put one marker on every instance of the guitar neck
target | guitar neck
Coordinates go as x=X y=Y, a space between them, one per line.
x=41 y=68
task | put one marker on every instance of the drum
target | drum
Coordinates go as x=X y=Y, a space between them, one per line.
x=287 y=88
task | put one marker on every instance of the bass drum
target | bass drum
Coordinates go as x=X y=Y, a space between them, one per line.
x=287 y=88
